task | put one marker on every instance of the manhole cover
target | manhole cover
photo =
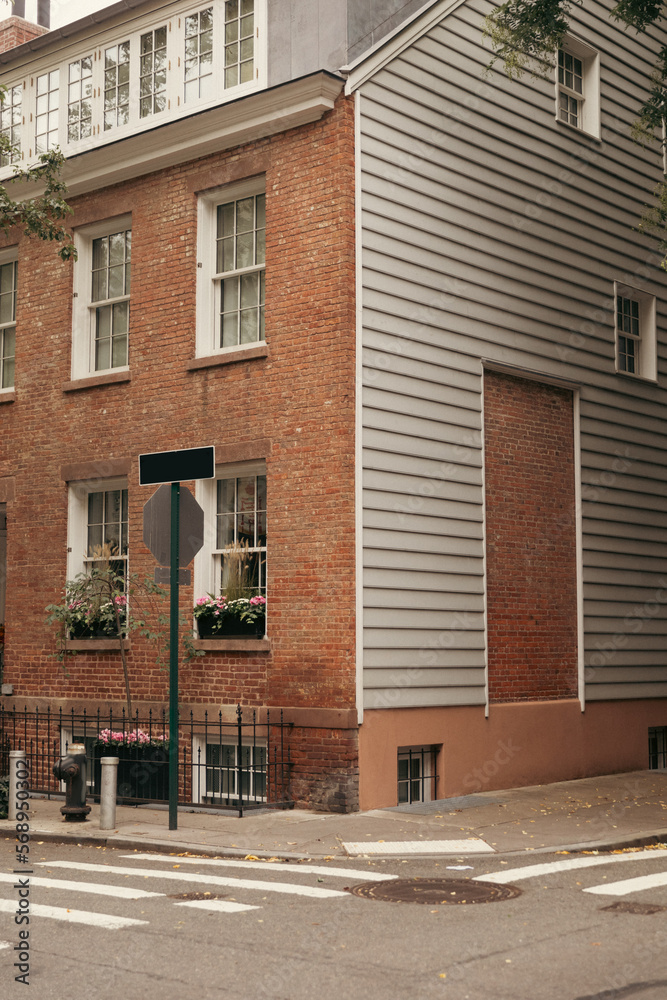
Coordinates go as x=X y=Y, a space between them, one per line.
x=198 y=895
x=435 y=891
x=645 y=908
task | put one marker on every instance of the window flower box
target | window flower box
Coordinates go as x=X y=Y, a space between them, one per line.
x=220 y=618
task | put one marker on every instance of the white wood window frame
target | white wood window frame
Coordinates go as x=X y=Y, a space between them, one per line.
x=7 y=256
x=647 y=348
x=208 y=288
x=589 y=100
x=173 y=17
x=77 y=520
x=200 y=770
x=83 y=308
x=206 y=565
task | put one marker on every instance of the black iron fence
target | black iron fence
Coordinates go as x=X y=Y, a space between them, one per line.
x=221 y=763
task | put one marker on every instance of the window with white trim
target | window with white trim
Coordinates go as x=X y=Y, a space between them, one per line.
x=235 y=516
x=117 y=85
x=8 y=281
x=11 y=119
x=231 y=278
x=80 y=99
x=98 y=527
x=578 y=86
x=635 y=332
x=153 y=72
x=200 y=57
x=219 y=769
x=46 y=111
x=101 y=315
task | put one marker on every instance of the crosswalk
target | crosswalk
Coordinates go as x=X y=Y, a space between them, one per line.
x=619 y=887
x=212 y=874
x=194 y=884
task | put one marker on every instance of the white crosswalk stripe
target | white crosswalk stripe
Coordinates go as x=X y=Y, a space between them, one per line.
x=628 y=885
x=292 y=869
x=215 y=880
x=105 y=920
x=219 y=905
x=568 y=864
x=98 y=888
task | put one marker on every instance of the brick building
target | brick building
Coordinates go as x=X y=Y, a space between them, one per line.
x=391 y=294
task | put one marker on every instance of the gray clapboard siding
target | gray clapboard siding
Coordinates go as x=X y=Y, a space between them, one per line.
x=492 y=232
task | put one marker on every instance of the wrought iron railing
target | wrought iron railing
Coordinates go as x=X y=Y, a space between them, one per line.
x=221 y=763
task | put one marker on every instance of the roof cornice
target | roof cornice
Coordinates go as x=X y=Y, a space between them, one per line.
x=255 y=116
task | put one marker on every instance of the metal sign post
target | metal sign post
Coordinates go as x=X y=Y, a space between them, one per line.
x=172 y=467
x=173 y=657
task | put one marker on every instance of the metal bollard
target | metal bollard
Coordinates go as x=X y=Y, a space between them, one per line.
x=17 y=762
x=108 y=793
x=72 y=770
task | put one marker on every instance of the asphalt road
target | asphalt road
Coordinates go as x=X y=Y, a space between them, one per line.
x=106 y=923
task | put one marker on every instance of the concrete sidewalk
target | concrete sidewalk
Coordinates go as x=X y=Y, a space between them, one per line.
x=587 y=814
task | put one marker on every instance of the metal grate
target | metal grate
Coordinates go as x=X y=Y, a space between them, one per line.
x=657 y=747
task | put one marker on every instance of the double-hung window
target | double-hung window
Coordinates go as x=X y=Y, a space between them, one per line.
x=231 y=279
x=100 y=336
x=235 y=538
x=578 y=86
x=98 y=527
x=8 y=279
x=635 y=332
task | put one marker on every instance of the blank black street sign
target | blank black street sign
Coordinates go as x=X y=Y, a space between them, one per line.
x=176 y=466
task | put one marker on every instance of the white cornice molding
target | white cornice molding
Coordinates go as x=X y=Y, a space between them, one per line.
x=377 y=57
x=232 y=124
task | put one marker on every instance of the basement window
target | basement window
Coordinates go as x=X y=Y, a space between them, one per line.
x=657 y=747
x=416 y=774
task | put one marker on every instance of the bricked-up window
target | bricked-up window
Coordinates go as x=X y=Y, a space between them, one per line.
x=635 y=331
x=231 y=240
x=117 y=85
x=153 y=72
x=578 y=86
x=8 y=279
x=240 y=256
x=46 y=112
x=98 y=526
x=11 y=119
x=80 y=99
x=111 y=298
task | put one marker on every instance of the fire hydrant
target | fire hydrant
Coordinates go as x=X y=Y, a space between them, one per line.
x=72 y=770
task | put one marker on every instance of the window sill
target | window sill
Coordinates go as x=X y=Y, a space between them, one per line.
x=109 y=378
x=7 y=396
x=229 y=357
x=95 y=645
x=595 y=136
x=636 y=377
x=233 y=645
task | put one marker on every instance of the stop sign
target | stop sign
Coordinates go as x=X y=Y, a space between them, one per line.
x=157 y=526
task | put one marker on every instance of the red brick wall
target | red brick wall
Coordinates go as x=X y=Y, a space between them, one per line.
x=294 y=409
x=530 y=540
x=16 y=30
